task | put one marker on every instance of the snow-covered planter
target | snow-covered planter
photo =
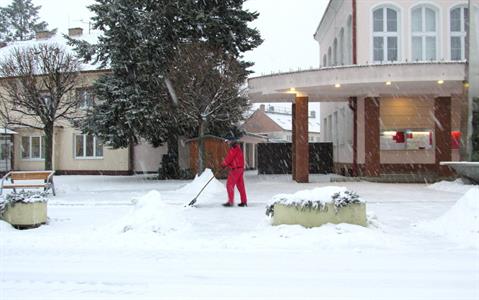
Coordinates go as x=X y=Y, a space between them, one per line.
x=312 y=208
x=25 y=209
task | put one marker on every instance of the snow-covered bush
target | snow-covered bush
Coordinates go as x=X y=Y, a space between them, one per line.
x=315 y=199
x=21 y=197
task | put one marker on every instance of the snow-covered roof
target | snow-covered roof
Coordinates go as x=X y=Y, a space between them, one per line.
x=6 y=131
x=56 y=39
x=285 y=121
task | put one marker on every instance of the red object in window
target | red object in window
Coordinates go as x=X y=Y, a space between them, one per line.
x=409 y=135
x=399 y=137
x=455 y=139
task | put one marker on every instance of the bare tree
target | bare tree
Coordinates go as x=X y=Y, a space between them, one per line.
x=37 y=86
x=209 y=83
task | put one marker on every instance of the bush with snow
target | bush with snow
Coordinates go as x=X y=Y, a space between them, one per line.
x=21 y=197
x=315 y=199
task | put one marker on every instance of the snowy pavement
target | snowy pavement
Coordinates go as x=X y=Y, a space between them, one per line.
x=133 y=238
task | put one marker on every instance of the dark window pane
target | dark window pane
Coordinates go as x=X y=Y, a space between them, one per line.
x=25 y=147
x=456 y=51
x=35 y=147
x=79 y=145
x=378 y=49
x=378 y=21
x=392 y=20
x=89 y=145
x=99 y=148
x=392 y=48
x=456 y=19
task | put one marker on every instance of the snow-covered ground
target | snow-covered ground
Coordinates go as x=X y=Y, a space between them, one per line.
x=133 y=238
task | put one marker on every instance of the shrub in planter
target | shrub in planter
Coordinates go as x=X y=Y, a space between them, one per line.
x=318 y=206
x=25 y=209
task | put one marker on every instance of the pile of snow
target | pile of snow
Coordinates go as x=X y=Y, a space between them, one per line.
x=315 y=198
x=456 y=186
x=4 y=226
x=214 y=192
x=461 y=222
x=151 y=214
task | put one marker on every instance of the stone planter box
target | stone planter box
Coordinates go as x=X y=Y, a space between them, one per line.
x=26 y=215
x=352 y=214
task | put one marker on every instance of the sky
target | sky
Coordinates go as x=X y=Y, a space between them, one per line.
x=287 y=27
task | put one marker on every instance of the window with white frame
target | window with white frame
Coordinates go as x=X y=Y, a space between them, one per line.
x=458 y=20
x=385 y=34
x=85 y=98
x=424 y=26
x=88 y=146
x=33 y=147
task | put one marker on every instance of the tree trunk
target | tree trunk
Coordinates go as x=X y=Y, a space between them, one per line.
x=48 y=129
x=201 y=146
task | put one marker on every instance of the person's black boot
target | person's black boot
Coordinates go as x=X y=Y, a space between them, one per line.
x=242 y=204
x=227 y=204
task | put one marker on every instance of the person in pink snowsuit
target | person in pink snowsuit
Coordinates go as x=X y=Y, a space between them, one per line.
x=234 y=161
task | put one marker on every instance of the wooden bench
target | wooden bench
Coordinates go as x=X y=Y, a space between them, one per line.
x=13 y=180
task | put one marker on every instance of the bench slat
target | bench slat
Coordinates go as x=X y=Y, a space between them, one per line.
x=14 y=186
x=29 y=176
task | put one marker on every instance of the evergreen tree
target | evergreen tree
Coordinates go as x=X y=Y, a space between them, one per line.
x=21 y=21
x=140 y=39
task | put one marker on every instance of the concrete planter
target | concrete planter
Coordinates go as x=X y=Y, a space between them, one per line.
x=25 y=215
x=307 y=217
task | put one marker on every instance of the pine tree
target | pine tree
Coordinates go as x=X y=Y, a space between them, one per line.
x=22 y=20
x=140 y=39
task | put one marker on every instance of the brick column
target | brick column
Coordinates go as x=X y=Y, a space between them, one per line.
x=301 y=142
x=442 y=130
x=293 y=141
x=371 y=123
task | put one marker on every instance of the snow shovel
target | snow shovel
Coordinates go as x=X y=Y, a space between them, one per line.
x=196 y=198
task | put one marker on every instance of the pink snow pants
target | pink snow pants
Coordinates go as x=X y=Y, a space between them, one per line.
x=235 y=177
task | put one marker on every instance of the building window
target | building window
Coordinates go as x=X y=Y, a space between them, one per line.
x=85 y=98
x=458 y=23
x=329 y=57
x=325 y=62
x=335 y=52
x=385 y=34
x=424 y=33
x=349 y=41
x=88 y=146
x=33 y=147
x=341 y=47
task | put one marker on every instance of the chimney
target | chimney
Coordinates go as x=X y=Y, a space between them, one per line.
x=76 y=31
x=43 y=35
x=271 y=108
x=261 y=107
x=313 y=114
